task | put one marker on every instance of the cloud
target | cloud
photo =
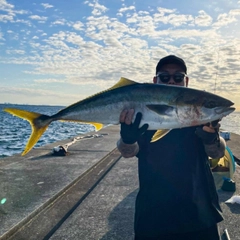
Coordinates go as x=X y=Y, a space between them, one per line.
x=163 y=11
x=10 y=12
x=6 y=18
x=203 y=19
x=94 y=50
x=173 y=19
x=49 y=80
x=31 y=92
x=59 y=22
x=47 y=5
x=38 y=18
x=98 y=9
x=78 y=25
x=124 y=9
x=225 y=19
x=15 y=51
x=234 y=12
x=4 y=6
x=28 y=23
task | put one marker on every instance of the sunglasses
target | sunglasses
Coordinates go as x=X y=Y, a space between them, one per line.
x=165 y=77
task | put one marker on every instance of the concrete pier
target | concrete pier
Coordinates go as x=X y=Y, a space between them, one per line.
x=87 y=194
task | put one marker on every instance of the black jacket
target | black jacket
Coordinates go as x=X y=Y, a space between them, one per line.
x=177 y=191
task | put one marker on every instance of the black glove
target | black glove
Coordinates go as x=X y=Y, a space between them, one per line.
x=207 y=137
x=131 y=133
x=214 y=123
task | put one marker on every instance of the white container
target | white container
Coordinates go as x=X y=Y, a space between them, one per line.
x=225 y=135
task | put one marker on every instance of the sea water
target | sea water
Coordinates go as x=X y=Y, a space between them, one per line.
x=14 y=132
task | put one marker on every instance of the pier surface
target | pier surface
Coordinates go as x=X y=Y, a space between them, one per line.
x=87 y=194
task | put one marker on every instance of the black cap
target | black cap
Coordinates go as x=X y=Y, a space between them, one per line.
x=171 y=59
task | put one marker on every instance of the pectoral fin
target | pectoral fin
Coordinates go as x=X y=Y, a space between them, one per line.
x=159 y=134
x=161 y=109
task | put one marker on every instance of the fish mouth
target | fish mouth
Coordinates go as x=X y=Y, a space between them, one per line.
x=225 y=110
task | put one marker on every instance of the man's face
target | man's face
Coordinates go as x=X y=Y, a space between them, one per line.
x=171 y=74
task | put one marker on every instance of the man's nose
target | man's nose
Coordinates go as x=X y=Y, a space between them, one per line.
x=171 y=80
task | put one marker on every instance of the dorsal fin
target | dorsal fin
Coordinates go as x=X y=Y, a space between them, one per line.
x=122 y=82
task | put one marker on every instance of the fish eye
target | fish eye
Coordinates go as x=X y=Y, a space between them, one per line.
x=210 y=104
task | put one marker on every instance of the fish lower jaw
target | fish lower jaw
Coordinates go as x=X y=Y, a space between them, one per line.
x=224 y=111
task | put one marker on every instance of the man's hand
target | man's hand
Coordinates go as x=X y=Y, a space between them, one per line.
x=212 y=127
x=209 y=132
x=130 y=132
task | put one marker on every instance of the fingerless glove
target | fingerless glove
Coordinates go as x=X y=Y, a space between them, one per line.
x=130 y=133
x=207 y=137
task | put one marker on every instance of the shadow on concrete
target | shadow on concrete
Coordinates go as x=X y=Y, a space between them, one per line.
x=69 y=153
x=121 y=219
x=42 y=157
x=234 y=208
x=224 y=195
x=89 y=151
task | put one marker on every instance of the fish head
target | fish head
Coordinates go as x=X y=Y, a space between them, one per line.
x=217 y=109
x=201 y=107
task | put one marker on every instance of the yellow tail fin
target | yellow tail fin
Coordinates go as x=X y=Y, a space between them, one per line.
x=39 y=124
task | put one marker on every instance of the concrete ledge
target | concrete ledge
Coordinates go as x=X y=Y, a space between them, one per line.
x=33 y=182
x=101 y=207
x=43 y=222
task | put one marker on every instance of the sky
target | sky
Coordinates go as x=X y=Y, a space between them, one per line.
x=59 y=52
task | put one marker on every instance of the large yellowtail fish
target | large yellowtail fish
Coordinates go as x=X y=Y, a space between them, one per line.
x=163 y=107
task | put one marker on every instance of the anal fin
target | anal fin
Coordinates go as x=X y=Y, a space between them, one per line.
x=98 y=126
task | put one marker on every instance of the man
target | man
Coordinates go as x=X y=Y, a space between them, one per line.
x=177 y=198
